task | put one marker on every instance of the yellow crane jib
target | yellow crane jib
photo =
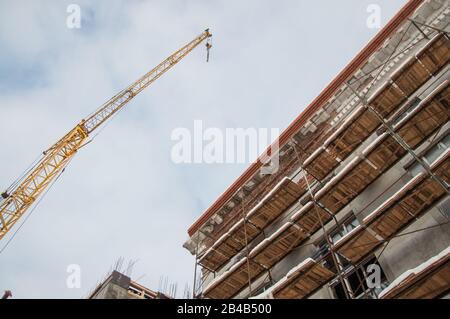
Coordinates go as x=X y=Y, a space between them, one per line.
x=21 y=196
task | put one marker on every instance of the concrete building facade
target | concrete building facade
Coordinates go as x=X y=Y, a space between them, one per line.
x=359 y=206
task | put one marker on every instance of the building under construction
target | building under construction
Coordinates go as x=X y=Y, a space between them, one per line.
x=363 y=183
x=120 y=286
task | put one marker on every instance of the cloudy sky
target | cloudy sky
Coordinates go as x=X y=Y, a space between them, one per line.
x=122 y=196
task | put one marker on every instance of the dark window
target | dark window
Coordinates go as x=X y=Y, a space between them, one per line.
x=339 y=292
x=323 y=250
x=357 y=283
x=431 y=155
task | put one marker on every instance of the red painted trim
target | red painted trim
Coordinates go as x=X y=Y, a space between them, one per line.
x=315 y=105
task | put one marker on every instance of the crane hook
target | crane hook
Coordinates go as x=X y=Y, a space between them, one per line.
x=208 y=47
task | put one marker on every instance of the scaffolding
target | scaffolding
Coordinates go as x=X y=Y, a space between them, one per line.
x=326 y=173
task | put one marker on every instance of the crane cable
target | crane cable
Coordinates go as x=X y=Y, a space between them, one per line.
x=16 y=182
x=33 y=208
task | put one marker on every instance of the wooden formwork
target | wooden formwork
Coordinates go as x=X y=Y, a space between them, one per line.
x=391 y=220
x=270 y=208
x=430 y=60
x=218 y=256
x=442 y=168
x=274 y=248
x=234 y=280
x=321 y=165
x=287 y=165
x=357 y=244
x=276 y=204
x=412 y=75
x=360 y=173
x=241 y=234
x=303 y=281
x=387 y=153
x=387 y=99
x=415 y=198
x=228 y=245
x=432 y=113
x=310 y=218
x=426 y=119
x=436 y=54
x=300 y=226
x=423 y=121
x=427 y=281
x=351 y=135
